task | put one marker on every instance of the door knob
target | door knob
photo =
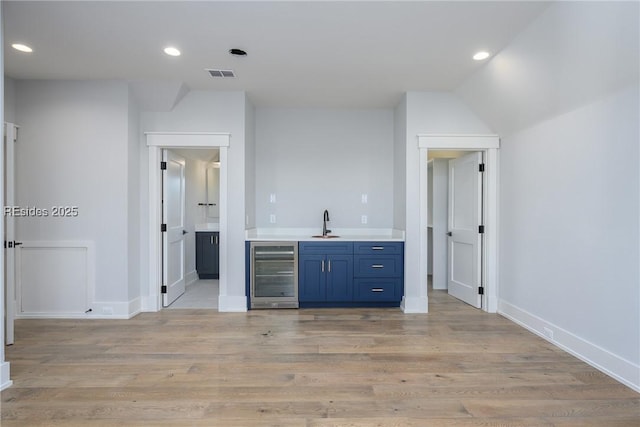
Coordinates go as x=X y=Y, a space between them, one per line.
x=449 y=234
x=184 y=232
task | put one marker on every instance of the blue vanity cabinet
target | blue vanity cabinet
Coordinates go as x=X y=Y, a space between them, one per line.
x=325 y=273
x=378 y=272
x=208 y=255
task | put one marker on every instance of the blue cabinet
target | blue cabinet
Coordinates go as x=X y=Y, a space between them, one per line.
x=325 y=272
x=208 y=255
x=379 y=272
x=348 y=274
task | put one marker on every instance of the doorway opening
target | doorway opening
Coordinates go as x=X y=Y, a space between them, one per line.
x=484 y=148
x=191 y=142
x=191 y=260
x=455 y=182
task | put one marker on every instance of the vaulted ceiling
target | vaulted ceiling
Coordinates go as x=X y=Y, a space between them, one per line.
x=315 y=54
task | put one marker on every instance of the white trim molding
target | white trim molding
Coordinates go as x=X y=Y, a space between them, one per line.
x=5 y=382
x=60 y=247
x=458 y=141
x=489 y=144
x=187 y=139
x=616 y=367
x=151 y=299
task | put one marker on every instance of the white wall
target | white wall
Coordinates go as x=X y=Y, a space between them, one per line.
x=569 y=252
x=209 y=111
x=9 y=100
x=4 y=366
x=133 y=202
x=73 y=152
x=427 y=113
x=317 y=159
x=400 y=165
x=250 y=164
x=569 y=179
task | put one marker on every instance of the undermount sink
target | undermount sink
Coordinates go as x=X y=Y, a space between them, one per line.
x=325 y=237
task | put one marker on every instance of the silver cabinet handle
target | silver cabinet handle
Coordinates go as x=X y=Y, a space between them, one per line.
x=211 y=240
x=329 y=266
x=377 y=248
x=377 y=290
x=377 y=266
x=323 y=266
x=215 y=239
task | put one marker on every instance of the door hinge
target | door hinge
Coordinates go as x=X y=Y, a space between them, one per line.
x=163 y=166
x=163 y=289
x=481 y=229
x=163 y=228
x=481 y=290
x=481 y=167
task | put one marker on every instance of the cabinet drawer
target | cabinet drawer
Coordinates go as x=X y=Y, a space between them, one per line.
x=377 y=266
x=314 y=248
x=378 y=248
x=370 y=290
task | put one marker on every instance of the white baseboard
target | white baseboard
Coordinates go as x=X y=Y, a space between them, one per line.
x=616 y=367
x=5 y=382
x=228 y=303
x=191 y=277
x=414 y=304
x=149 y=304
x=99 y=310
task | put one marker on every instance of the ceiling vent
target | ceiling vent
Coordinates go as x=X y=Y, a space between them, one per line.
x=220 y=73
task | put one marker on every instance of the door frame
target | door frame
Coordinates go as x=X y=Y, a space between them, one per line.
x=156 y=142
x=490 y=145
x=10 y=138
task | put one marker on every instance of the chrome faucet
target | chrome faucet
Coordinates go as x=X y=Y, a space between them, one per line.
x=324 y=223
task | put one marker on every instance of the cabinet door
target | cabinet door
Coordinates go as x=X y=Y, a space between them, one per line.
x=207 y=255
x=311 y=278
x=201 y=241
x=215 y=255
x=339 y=272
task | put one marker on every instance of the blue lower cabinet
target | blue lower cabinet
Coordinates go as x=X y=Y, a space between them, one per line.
x=311 y=278
x=344 y=274
x=339 y=274
x=324 y=278
x=372 y=290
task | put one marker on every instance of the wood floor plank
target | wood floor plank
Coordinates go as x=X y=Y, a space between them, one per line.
x=455 y=366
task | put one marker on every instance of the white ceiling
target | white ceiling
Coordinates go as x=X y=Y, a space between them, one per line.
x=317 y=54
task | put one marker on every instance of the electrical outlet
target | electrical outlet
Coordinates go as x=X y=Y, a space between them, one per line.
x=364 y=198
x=548 y=332
x=363 y=219
x=272 y=198
x=246 y=220
x=272 y=218
x=107 y=310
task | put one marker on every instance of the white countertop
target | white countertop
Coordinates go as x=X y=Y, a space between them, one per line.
x=306 y=235
x=207 y=227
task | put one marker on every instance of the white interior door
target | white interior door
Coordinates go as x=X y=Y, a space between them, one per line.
x=464 y=236
x=10 y=137
x=173 y=215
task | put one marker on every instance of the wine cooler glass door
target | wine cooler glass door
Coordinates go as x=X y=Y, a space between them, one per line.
x=275 y=272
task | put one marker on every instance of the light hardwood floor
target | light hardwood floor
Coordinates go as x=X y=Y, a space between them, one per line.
x=455 y=366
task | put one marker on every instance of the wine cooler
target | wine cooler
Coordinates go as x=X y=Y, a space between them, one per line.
x=274 y=275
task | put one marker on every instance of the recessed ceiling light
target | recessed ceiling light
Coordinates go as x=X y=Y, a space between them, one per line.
x=22 y=47
x=481 y=55
x=237 y=52
x=171 y=51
